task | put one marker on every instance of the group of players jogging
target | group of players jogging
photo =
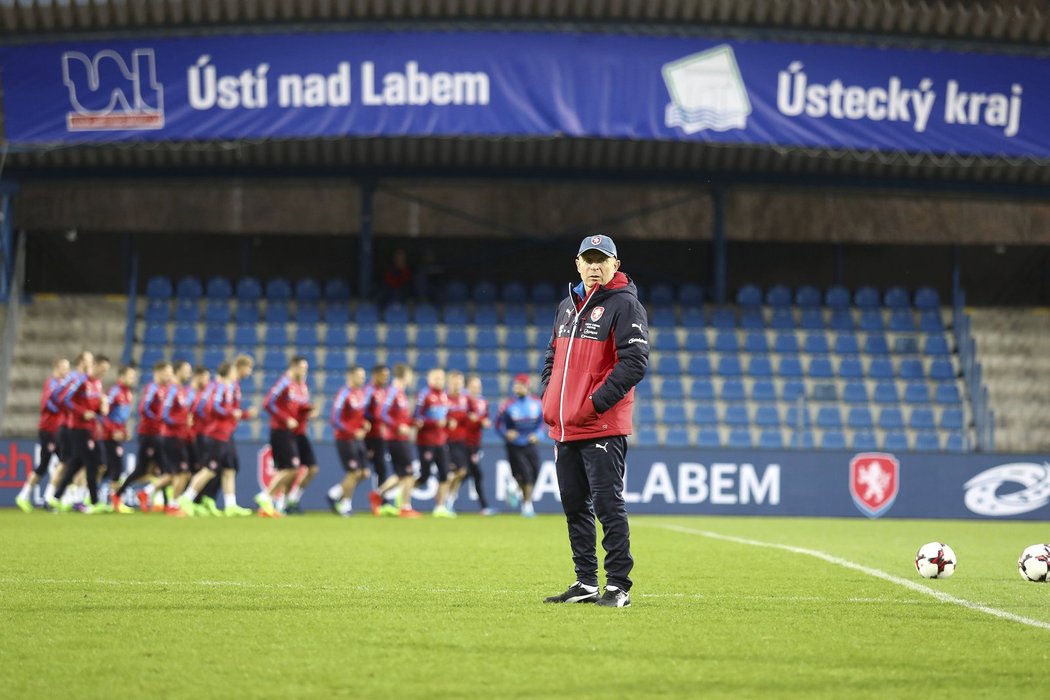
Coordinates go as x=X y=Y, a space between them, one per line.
x=187 y=417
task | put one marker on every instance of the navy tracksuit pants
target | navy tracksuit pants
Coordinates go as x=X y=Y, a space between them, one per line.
x=590 y=478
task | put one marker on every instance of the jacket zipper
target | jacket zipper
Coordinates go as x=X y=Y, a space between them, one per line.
x=568 y=354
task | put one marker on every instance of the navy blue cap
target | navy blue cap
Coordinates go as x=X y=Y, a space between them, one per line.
x=598 y=242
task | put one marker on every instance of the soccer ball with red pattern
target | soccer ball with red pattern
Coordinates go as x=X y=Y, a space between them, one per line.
x=935 y=560
x=1034 y=563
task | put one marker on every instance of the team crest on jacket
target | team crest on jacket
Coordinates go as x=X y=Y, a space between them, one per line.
x=874 y=480
x=597 y=312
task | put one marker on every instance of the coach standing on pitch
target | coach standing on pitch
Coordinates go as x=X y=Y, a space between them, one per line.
x=598 y=352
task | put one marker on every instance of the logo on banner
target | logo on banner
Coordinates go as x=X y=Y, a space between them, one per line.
x=707 y=92
x=983 y=492
x=596 y=313
x=112 y=92
x=874 y=480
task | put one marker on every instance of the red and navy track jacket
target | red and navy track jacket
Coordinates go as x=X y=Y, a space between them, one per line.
x=598 y=352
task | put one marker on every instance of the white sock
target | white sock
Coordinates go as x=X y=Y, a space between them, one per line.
x=265 y=497
x=229 y=500
x=295 y=495
x=23 y=495
x=612 y=588
x=345 y=506
x=278 y=502
x=336 y=492
x=49 y=492
x=148 y=489
x=589 y=589
x=190 y=493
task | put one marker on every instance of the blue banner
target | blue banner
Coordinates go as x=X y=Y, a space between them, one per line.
x=526 y=84
x=708 y=482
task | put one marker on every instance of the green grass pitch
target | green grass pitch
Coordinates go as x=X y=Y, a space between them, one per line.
x=148 y=606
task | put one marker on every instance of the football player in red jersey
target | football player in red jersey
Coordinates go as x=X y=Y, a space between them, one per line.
x=432 y=423
x=150 y=455
x=287 y=403
x=115 y=432
x=471 y=412
x=86 y=402
x=350 y=427
x=175 y=428
x=51 y=418
x=396 y=415
x=378 y=433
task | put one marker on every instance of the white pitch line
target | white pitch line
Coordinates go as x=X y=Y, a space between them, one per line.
x=876 y=573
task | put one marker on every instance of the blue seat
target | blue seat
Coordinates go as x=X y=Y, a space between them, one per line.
x=337 y=290
x=786 y=342
x=675 y=413
x=515 y=315
x=816 y=344
x=871 y=320
x=671 y=389
x=677 y=436
x=185 y=334
x=778 y=295
x=213 y=357
x=187 y=311
x=729 y=366
x=936 y=345
x=855 y=392
x=336 y=312
x=881 y=367
x=864 y=441
x=926 y=298
x=335 y=363
x=274 y=361
x=947 y=393
x=150 y=356
x=647 y=436
x=725 y=341
x=723 y=319
x=485 y=293
x=702 y=390
x=244 y=431
x=368 y=358
x=749 y=296
x=902 y=321
x=905 y=345
x=426 y=337
x=278 y=289
x=798 y=417
x=426 y=314
x=755 y=342
x=456 y=292
x=767 y=416
x=336 y=336
x=514 y=293
x=829 y=417
x=896 y=298
x=764 y=390
x=245 y=335
x=802 y=439
x=952 y=419
x=792 y=389
x=543 y=293
x=663 y=318
x=696 y=340
x=955 y=442
x=733 y=390
x=307 y=312
x=837 y=297
x=833 y=440
x=850 y=367
x=752 y=319
x=807 y=296
x=859 y=418
x=866 y=298
x=456 y=339
x=308 y=289
x=927 y=441
x=669 y=364
x=760 y=366
x=396 y=337
x=820 y=368
x=661 y=293
x=771 y=439
x=396 y=357
x=886 y=392
x=782 y=320
x=219 y=288
x=427 y=360
x=699 y=366
x=740 y=438
x=308 y=354
x=366 y=337
x=486 y=338
x=911 y=368
x=156 y=311
x=690 y=294
x=895 y=441
x=518 y=361
x=155 y=334
x=217 y=311
x=189 y=288
x=931 y=322
x=215 y=334
x=396 y=314
x=487 y=362
x=916 y=392
x=276 y=334
x=366 y=312
x=486 y=315
x=941 y=370
x=841 y=320
x=875 y=344
x=158 y=288
x=922 y=419
x=277 y=312
x=249 y=289
x=664 y=341
x=846 y=344
x=705 y=415
x=306 y=336
x=456 y=314
x=825 y=391
x=790 y=366
x=811 y=320
x=708 y=437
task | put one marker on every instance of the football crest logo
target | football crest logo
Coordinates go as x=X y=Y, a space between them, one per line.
x=874 y=480
x=595 y=240
x=597 y=313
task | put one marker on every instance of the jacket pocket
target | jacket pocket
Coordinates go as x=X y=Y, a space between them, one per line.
x=583 y=412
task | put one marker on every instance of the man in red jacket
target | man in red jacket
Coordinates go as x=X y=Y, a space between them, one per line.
x=602 y=331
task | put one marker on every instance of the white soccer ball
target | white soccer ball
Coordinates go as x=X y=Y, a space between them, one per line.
x=1034 y=562
x=935 y=560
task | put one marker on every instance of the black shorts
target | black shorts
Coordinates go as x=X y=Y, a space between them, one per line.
x=218 y=455
x=433 y=457
x=65 y=445
x=151 y=451
x=199 y=449
x=307 y=458
x=114 y=456
x=284 y=449
x=176 y=455
x=400 y=457
x=353 y=455
x=524 y=463
x=87 y=452
x=376 y=449
x=458 y=456
x=48 y=448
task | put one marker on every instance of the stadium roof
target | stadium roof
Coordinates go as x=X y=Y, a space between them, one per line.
x=1025 y=22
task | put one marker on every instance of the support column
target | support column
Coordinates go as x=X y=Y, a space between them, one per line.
x=718 y=245
x=364 y=270
x=7 y=246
